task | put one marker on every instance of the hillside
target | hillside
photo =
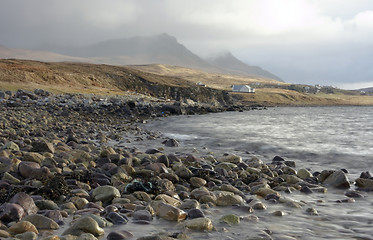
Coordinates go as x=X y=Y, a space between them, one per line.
x=230 y=64
x=165 y=82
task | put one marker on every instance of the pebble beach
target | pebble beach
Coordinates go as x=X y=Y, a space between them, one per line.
x=68 y=171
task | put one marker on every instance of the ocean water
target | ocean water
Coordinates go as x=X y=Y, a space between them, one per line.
x=316 y=138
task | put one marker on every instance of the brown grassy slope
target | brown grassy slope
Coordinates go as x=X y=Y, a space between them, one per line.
x=108 y=80
x=213 y=80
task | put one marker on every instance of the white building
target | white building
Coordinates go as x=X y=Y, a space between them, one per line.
x=243 y=88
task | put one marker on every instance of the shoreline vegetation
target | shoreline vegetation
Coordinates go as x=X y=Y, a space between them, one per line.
x=61 y=178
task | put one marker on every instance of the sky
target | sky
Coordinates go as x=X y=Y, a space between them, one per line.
x=327 y=42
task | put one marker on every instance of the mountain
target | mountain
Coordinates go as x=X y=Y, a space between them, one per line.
x=158 y=49
x=230 y=64
x=367 y=90
x=36 y=55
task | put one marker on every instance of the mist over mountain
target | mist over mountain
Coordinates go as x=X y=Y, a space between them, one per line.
x=158 y=49
x=231 y=64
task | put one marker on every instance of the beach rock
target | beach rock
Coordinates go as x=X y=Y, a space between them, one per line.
x=231 y=158
x=278 y=213
x=195 y=213
x=33 y=157
x=55 y=215
x=25 y=201
x=197 y=182
x=199 y=224
x=102 y=222
x=168 y=212
x=230 y=219
x=304 y=173
x=4 y=234
x=142 y=215
x=230 y=188
x=42 y=146
x=42 y=222
x=171 y=143
x=189 y=204
x=26 y=236
x=167 y=199
x=364 y=183
x=337 y=179
x=84 y=225
x=353 y=194
x=264 y=191
x=117 y=218
x=12 y=146
x=119 y=235
x=21 y=227
x=46 y=205
x=312 y=211
x=105 y=193
x=33 y=170
x=228 y=200
x=11 y=212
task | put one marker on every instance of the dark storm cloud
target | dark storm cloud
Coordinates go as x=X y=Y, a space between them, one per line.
x=308 y=41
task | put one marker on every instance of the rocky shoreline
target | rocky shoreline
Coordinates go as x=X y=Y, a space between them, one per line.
x=62 y=179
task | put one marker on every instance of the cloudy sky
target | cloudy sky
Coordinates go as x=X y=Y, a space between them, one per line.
x=327 y=42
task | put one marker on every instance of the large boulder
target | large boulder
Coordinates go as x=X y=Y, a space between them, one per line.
x=337 y=179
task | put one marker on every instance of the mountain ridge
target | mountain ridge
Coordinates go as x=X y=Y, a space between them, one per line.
x=157 y=49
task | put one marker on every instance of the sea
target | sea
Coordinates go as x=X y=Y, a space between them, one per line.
x=315 y=138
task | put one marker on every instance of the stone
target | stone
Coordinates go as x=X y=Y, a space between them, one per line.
x=171 y=143
x=42 y=146
x=11 y=212
x=230 y=188
x=199 y=224
x=142 y=215
x=264 y=191
x=189 y=204
x=312 y=211
x=11 y=179
x=10 y=146
x=42 y=222
x=229 y=200
x=230 y=219
x=33 y=170
x=102 y=222
x=105 y=193
x=86 y=236
x=197 y=182
x=167 y=199
x=278 y=213
x=119 y=235
x=117 y=218
x=195 y=213
x=21 y=227
x=353 y=194
x=337 y=179
x=4 y=234
x=364 y=183
x=168 y=211
x=304 y=173
x=231 y=158
x=26 y=236
x=46 y=205
x=84 y=225
x=25 y=201
x=33 y=157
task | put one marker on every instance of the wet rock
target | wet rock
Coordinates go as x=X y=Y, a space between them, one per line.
x=21 y=227
x=230 y=219
x=229 y=200
x=171 y=143
x=46 y=205
x=189 y=204
x=11 y=212
x=264 y=191
x=4 y=234
x=102 y=222
x=312 y=211
x=167 y=199
x=337 y=179
x=231 y=158
x=365 y=175
x=199 y=224
x=117 y=218
x=168 y=212
x=250 y=218
x=364 y=183
x=105 y=193
x=84 y=225
x=353 y=194
x=278 y=213
x=119 y=235
x=306 y=190
x=304 y=173
x=195 y=213
x=42 y=146
x=142 y=215
x=41 y=222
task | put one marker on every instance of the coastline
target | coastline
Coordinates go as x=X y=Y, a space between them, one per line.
x=65 y=147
